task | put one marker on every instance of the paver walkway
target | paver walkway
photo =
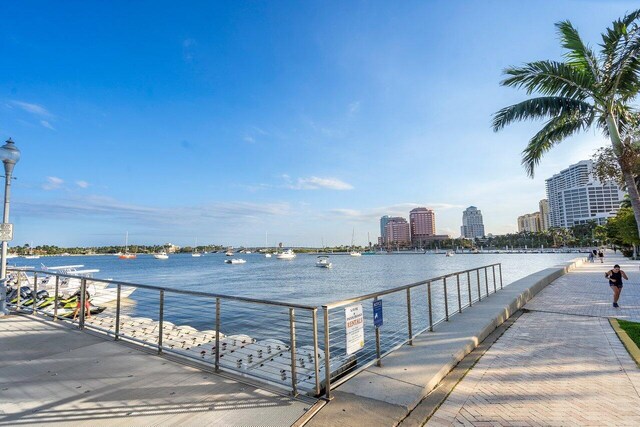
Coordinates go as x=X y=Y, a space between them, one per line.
x=51 y=374
x=560 y=364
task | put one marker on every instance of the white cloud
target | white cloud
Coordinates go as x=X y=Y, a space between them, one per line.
x=53 y=183
x=47 y=124
x=249 y=139
x=82 y=184
x=400 y=209
x=317 y=183
x=36 y=109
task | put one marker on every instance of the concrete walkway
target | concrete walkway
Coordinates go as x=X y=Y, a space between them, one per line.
x=559 y=364
x=51 y=374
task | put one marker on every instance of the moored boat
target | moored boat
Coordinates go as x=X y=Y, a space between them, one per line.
x=323 y=262
x=288 y=254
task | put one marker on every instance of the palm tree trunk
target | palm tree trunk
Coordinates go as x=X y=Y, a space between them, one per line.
x=634 y=194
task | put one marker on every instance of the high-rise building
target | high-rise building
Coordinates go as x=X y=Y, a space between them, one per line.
x=397 y=231
x=530 y=223
x=472 y=225
x=544 y=215
x=423 y=225
x=577 y=197
x=383 y=225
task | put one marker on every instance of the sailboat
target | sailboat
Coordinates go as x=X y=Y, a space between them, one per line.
x=195 y=250
x=126 y=254
x=266 y=245
x=353 y=251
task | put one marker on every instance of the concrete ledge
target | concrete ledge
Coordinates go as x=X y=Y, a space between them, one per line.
x=628 y=343
x=411 y=372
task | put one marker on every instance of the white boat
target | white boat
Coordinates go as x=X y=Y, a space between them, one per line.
x=31 y=256
x=235 y=261
x=161 y=255
x=355 y=253
x=323 y=262
x=229 y=252
x=9 y=256
x=288 y=254
x=449 y=253
x=267 y=255
x=196 y=254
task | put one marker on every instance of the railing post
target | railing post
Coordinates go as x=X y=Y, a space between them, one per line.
x=500 y=270
x=409 y=316
x=378 y=360
x=292 y=332
x=55 y=299
x=327 y=356
x=469 y=286
x=117 y=332
x=430 y=311
x=161 y=321
x=34 y=293
x=493 y=270
x=479 y=291
x=459 y=296
x=217 y=359
x=316 y=366
x=486 y=280
x=19 y=286
x=83 y=297
x=446 y=301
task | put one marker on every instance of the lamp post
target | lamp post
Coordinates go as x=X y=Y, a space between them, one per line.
x=9 y=154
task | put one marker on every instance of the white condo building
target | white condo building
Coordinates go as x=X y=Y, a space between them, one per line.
x=575 y=197
x=472 y=225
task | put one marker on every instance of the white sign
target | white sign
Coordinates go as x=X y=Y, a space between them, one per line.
x=6 y=232
x=355 y=328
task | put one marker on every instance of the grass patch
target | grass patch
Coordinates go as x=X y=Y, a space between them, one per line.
x=632 y=329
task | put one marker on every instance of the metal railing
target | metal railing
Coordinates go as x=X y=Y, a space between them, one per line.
x=409 y=310
x=270 y=341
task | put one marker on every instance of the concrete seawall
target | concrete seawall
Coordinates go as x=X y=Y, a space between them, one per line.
x=385 y=395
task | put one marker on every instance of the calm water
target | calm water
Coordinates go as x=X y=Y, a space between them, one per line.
x=297 y=280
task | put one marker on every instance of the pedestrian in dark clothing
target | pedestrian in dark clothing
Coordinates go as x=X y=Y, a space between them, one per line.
x=615 y=276
x=601 y=256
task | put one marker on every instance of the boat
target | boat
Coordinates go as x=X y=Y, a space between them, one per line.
x=126 y=254
x=267 y=255
x=229 y=252
x=9 y=256
x=195 y=252
x=161 y=255
x=288 y=254
x=353 y=252
x=449 y=253
x=323 y=262
x=235 y=261
x=31 y=256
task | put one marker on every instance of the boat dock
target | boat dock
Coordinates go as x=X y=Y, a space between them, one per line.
x=51 y=372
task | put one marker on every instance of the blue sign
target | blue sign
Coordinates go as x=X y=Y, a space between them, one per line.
x=377 y=313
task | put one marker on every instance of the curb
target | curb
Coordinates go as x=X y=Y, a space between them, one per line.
x=628 y=343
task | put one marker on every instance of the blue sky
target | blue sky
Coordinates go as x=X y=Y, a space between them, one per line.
x=225 y=120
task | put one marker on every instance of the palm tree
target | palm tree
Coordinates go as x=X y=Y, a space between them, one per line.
x=586 y=89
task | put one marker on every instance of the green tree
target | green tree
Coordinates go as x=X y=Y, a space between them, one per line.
x=586 y=89
x=625 y=229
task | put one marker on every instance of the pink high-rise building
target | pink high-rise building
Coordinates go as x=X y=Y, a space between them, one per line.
x=423 y=223
x=397 y=232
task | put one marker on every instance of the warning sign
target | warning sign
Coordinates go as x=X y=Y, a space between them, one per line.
x=355 y=328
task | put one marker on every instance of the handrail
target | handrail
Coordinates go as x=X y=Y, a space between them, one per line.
x=348 y=301
x=161 y=288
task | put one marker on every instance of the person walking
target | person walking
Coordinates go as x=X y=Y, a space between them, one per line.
x=615 y=276
x=601 y=256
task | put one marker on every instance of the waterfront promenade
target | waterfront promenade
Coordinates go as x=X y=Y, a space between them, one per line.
x=560 y=364
x=51 y=373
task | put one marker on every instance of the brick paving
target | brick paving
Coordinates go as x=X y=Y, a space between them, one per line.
x=559 y=365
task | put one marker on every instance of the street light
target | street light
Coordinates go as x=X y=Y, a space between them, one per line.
x=9 y=154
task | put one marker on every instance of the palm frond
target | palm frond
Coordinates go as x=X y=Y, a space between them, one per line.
x=615 y=40
x=541 y=107
x=578 y=54
x=551 y=78
x=552 y=133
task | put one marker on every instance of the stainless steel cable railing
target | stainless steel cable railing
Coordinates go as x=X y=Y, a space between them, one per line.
x=269 y=341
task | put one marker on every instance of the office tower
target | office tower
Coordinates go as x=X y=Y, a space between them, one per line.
x=472 y=225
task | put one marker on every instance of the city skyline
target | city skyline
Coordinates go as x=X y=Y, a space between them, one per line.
x=281 y=118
